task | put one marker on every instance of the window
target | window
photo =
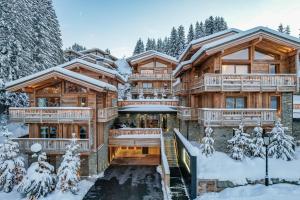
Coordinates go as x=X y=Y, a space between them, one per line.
x=235 y=102
x=143 y=71
x=234 y=69
x=263 y=56
x=272 y=69
x=53 y=89
x=73 y=88
x=82 y=101
x=48 y=102
x=151 y=64
x=147 y=85
x=239 y=55
x=158 y=64
x=83 y=132
x=48 y=131
x=274 y=104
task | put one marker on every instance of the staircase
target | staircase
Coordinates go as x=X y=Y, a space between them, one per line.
x=170 y=148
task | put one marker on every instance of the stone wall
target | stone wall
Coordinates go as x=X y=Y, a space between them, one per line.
x=296 y=129
x=287 y=110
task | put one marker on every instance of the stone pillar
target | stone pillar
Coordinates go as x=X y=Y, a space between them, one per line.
x=287 y=110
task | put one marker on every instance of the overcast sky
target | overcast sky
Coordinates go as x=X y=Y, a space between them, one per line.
x=117 y=24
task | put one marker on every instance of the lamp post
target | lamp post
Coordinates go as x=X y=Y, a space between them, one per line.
x=266 y=144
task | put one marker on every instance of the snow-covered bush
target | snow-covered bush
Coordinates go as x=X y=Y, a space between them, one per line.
x=11 y=163
x=208 y=142
x=281 y=145
x=239 y=144
x=39 y=180
x=68 y=172
x=257 y=144
x=124 y=91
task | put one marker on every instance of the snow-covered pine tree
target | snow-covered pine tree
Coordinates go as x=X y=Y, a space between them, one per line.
x=239 y=144
x=68 y=172
x=11 y=163
x=149 y=44
x=181 y=40
x=191 y=34
x=39 y=180
x=166 y=46
x=199 y=30
x=280 y=28
x=287 y=30
x=77 y=47
x=257 y=143
x=173 y=41
x=139 y=47
x=160 y=45
x=209 y=26
x=208 y=142
x=281 y=145
x=219 y=24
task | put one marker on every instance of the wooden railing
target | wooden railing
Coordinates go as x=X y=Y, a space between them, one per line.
x=181 y=88
x=151 y=90
x=233 y=117
x=133 y=131
x=107 y=114
x=50 y=114
x=135 y=77
x=187 y=113
x=168 y=102
x=53 y=145
x=245 y=82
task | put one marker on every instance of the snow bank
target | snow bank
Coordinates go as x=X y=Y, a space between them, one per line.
x=221 y=166
x=256 y=192
x=191 y=149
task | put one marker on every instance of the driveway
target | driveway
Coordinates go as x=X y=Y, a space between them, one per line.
x=127 y=183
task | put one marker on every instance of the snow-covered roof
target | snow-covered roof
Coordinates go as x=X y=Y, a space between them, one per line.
x=209 y=37
x=148 y=108
x=95 y=66
x=260 y=29
x=73 y=51
x=97 y=57
x=123 y=67
x=149 y=54
x=66 y=72
x=100 y=50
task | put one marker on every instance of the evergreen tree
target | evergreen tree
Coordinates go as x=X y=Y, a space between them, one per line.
x=166 y=46
x=190 y=35
x=40 y=179
x=239 y=144
x=173 y=41
x=149 y=44
x=280 y=28
x=77 y=47
x=11 y=163
x=219 y=24
x=281 y=145
x=209 y=26
x=287 y=30
x=68 y=172
x=181 y=40
x=107 y=51
x=139 y=47
x=257 y=143
x=199 y=30
x=160 y=45
x=208 y=142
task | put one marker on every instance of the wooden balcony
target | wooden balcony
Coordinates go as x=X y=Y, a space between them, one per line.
x=168 y=102
x=50 y=114
x=150 y=77
x=51 y=145
x=187 y=113
x=141 y=137
x=233 y=117
x=245 y=83
x=181 y=89
x=107 y=114
x=136 y=90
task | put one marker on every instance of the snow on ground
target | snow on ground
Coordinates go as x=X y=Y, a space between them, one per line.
x=221 y=166
x=84 y=186
x=256 y=192
x=18 y=130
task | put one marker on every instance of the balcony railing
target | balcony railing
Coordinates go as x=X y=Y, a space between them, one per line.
x=134 y=131
x=245 y=82
x=53 y=145
x=137 y=77
x=151 y=90
x=50 y=114
x=181 y=88
x=168 y=102
x=107 y=114
x=187 y=113
x=233 y=117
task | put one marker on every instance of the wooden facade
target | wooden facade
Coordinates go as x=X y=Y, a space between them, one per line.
x=152 y=75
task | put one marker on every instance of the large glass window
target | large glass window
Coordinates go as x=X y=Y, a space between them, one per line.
x=158 y=64
x=146 y=71
x=234 y=69
x=48 y=102
x=73 y=88
x=263 y=56
x=53 y=89
x=274 y=104
x=48 y=131
x=273 y=69
x=239 y=55
x=235 y=102
x=147 y=85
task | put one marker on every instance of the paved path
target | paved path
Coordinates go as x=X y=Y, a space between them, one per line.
x=127 y=183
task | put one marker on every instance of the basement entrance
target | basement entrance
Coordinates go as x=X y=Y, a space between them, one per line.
x=135 y=155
